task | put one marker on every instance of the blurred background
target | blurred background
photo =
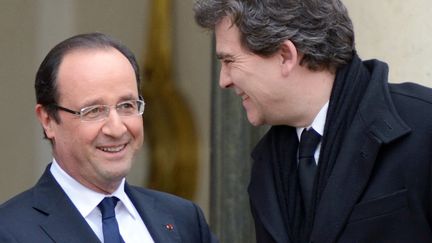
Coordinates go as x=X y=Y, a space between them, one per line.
x=395 y=31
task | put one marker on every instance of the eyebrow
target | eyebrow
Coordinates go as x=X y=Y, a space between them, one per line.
x=99 y=101
x=222 y=55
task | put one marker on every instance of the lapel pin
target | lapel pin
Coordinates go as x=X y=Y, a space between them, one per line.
x=169 y=227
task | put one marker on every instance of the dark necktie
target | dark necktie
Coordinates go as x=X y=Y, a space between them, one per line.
x=110 y=227
x=307 y=166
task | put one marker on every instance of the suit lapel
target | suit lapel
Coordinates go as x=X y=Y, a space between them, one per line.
x=265 y=202
x=345 y=185
x=157 y=220
x=262 y=188
x=63 y=221
x=376 y=123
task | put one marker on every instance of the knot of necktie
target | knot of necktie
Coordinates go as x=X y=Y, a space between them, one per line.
x=107 y=207
x=309 y=141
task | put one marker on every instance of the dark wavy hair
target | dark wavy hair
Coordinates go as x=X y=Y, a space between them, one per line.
x=320 y=29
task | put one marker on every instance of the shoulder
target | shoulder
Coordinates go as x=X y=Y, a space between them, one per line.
x=411 y=91
x=17 y=216
x=191 y=223
x=164 y=200
x=413 y=103
x=16 y=204
x=158 y=195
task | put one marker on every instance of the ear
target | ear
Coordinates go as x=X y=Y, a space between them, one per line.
x=289 y=56
x=45 y=120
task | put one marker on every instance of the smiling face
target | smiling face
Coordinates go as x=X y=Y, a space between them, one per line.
x=97 y=154
x=275 y=89
x=267 y=94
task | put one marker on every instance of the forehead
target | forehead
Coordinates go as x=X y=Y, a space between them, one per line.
x=227 y=37
x=92 y=72
x=91 y=58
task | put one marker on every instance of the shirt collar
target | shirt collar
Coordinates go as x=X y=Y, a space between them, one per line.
x=318 y=123
x=85 y=199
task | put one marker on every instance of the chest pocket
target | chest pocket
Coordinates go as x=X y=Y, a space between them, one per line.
x=381 y=206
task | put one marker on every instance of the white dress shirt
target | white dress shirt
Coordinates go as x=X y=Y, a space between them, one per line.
x=131 y=226
x=318 y=125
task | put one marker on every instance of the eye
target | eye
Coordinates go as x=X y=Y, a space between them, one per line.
x=227 y=61
x=127 y=107
x=93 y=111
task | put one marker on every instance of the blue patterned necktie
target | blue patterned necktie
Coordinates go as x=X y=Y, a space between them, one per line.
x=110 y=227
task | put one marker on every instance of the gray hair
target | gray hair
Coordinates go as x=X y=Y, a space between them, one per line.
x=320 y=29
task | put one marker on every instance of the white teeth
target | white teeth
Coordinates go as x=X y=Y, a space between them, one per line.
x=112 y=149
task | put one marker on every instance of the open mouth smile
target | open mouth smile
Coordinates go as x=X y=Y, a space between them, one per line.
x=113 y=149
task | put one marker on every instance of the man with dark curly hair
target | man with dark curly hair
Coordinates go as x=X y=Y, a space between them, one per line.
x=348 y=156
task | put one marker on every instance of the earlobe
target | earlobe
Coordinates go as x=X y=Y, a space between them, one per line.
x=45 y=120
x=289 y=55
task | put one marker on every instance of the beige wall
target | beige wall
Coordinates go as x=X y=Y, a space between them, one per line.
x=17 y=140
x=397 y=32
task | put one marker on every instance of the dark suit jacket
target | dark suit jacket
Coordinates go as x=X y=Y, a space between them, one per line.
x=380 y=187
x=45 y=214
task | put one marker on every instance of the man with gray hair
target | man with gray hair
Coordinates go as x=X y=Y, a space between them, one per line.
x=348 y=156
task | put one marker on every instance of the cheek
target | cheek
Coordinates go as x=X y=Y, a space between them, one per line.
x=66 y=132
x=87 y=134
x=239 y=71
x=239 y=78
x=136 y=129
x=248 y=77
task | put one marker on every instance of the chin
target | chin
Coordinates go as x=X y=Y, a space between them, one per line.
x=118 y=171
x=254 y=118
x=255 y=122
x=115 y=176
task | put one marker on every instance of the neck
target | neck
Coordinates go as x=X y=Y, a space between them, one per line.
x=317 y=89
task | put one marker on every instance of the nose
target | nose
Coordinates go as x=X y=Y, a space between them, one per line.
x=114 y=125
x=224 y=78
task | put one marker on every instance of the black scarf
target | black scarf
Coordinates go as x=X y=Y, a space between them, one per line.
x=348 y=89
